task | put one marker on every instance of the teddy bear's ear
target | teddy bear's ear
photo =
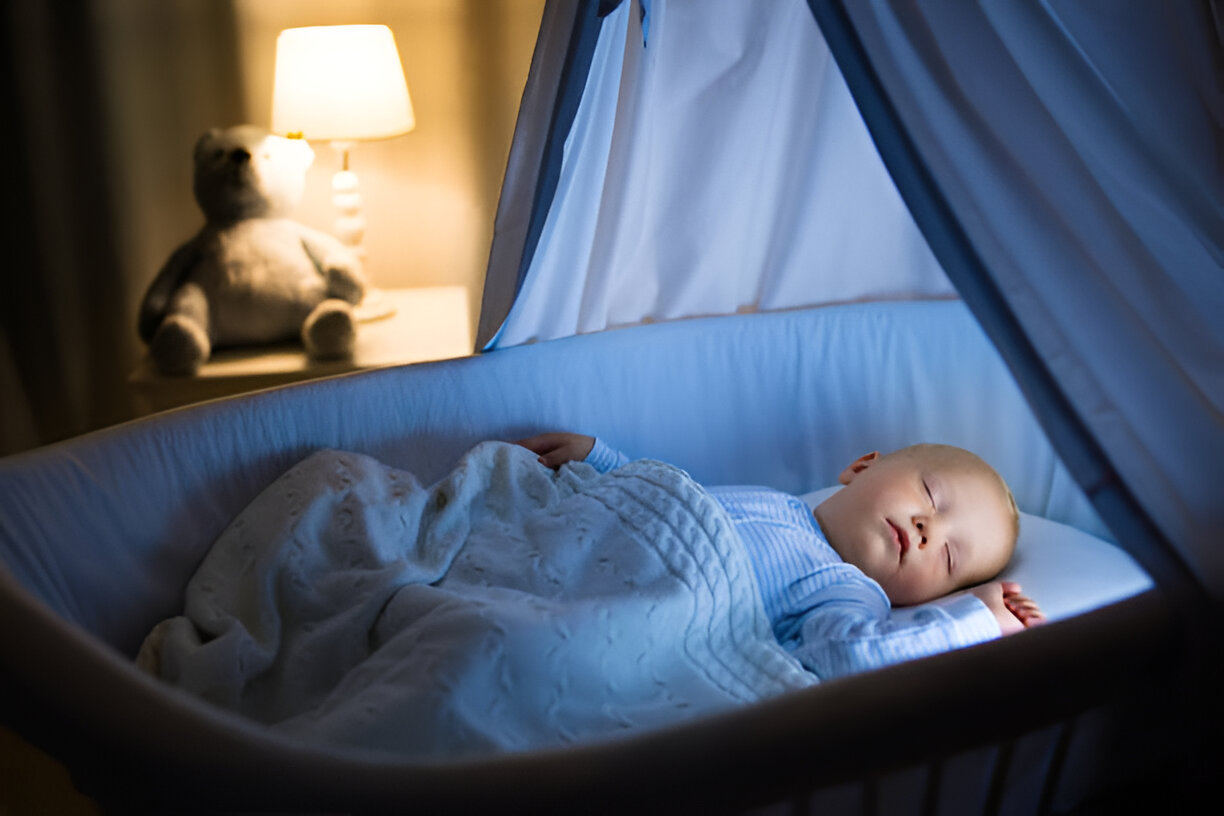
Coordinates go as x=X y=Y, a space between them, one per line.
x=203 y=143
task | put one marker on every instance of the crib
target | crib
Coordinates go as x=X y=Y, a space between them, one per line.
x=1110 y=702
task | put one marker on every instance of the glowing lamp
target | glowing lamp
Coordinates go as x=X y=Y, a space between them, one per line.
x=342 y=84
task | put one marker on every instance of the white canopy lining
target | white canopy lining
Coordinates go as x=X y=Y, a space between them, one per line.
x=716 y=165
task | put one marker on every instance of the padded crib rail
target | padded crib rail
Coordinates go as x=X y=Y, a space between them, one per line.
x=133 y=743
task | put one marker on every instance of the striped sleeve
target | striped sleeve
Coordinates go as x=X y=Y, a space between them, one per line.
x=605 y=458
x=849 y=627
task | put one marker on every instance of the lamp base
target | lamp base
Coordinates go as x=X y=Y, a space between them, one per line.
x=374 y=306
x=350 y=229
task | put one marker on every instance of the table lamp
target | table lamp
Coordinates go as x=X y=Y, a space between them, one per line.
x=342 y=84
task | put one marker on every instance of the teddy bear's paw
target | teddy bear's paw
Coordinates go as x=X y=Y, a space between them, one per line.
x=330 y=332
x=179 y=346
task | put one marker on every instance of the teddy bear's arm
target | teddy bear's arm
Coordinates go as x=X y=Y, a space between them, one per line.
x=168 y=280
x=339 y=265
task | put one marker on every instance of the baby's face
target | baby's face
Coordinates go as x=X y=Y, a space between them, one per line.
x=922 y=524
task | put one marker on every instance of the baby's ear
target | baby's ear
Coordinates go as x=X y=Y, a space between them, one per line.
x=857 y=466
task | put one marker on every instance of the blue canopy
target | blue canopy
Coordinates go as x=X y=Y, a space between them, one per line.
x=1062 y=159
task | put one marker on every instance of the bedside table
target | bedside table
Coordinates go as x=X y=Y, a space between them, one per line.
x=429 y=323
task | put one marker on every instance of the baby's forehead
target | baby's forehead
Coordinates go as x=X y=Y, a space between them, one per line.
x=953 y=465
x=943 y=457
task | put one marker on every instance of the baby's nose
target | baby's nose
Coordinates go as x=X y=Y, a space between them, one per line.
x=921 y=526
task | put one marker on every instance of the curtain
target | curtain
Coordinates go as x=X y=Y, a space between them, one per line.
x=560 y=63
x=1064 y=160
x=101 y=96
x=716 y=164
x=60 y=273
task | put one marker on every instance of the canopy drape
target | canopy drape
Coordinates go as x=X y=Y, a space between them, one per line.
x=715 y=164
x=1063 y=159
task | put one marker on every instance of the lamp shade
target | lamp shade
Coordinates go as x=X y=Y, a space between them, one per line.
x=340 y=83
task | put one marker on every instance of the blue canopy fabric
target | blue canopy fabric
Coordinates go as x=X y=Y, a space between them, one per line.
x=562 y=58
x=1062 y=159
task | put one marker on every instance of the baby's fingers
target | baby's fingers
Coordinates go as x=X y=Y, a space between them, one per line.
x=1026 y=611
x=1032 y=618
x=558 y=457
x=1018 y=603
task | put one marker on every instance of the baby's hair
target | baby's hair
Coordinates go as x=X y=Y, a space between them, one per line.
x=1010 y=499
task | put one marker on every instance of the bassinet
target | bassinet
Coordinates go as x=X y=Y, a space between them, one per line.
x=99 y=534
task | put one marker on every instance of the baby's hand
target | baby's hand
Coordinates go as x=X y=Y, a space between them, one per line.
x=1013 y=611
x=1023 y=607
x=556 y=449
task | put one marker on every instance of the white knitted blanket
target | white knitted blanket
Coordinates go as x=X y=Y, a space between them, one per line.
x=506 y=607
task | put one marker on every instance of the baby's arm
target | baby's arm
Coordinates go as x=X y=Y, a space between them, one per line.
x=1012 y=610
x=555 y=449
x=849 y=626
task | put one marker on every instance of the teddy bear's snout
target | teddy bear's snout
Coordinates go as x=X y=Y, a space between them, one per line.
x=239 y=155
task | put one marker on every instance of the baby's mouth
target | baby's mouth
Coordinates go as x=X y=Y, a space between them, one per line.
x=902 y=539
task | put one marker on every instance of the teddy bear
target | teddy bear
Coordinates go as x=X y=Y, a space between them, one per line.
x=251 y=275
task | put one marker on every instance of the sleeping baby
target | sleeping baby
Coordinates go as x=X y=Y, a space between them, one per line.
x=516 y=604
x=908 y=528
